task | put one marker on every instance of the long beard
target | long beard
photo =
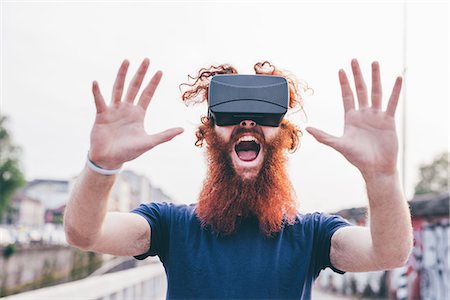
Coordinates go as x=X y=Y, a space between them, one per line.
x=227 y=198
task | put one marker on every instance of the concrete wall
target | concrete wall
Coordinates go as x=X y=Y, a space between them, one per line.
x=37 y=266
x=426 y=275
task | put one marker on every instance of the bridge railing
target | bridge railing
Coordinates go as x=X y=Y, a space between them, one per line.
x=146 y=282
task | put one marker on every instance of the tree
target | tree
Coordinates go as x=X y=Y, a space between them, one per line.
x=434 y=176
x=11 y=177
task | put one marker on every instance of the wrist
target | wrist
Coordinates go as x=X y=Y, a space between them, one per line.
x=383 y=186
x=100 y=168
x=103 y=161
x=380 y=174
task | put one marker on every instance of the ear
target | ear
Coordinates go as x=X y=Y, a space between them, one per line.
x=295 y=133
x=200 y=134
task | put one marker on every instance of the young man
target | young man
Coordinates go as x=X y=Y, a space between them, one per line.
x=244 y=237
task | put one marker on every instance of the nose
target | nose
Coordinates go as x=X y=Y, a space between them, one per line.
x=247 y=124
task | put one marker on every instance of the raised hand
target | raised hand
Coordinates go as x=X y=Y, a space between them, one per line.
x=118 y=134
x=370 y=140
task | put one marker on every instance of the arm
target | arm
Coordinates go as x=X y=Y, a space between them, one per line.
x=117 y=136
x=89 y=226
x=370 y=143
x=387 y=242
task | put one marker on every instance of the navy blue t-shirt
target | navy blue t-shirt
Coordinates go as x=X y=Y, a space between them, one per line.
x=203 y=265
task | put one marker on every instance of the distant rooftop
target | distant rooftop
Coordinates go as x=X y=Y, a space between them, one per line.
x=46 y=181
x=421 y=206
x=52 y=193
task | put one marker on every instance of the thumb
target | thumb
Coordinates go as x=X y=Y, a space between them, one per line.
x=323 y=137
x=162 y=137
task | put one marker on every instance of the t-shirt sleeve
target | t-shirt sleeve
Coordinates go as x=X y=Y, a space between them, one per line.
x=326 y=226
x=156 y=215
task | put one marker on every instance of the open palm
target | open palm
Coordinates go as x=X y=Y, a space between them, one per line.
x=370 y=140
x=118 y=134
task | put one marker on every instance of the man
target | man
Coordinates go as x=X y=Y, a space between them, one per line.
x=244 y=238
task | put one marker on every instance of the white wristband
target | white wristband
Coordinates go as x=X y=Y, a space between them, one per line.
x=99 y=169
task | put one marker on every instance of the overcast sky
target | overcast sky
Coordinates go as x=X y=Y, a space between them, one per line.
x=51 y=52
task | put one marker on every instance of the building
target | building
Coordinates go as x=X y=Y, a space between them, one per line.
x=142 y=190
x=30 y=204
x=120 y=197
x=51 y=193
x=140 y=187
x=44 y=200
x=427 y=273
x=26 y=211
x=55 y=215
x=158 y=195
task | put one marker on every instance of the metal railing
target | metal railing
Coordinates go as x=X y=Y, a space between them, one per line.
x=146 y=282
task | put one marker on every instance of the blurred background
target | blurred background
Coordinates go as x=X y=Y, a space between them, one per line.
x=52 y=51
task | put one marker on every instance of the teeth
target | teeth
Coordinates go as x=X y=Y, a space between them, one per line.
x=248 y=138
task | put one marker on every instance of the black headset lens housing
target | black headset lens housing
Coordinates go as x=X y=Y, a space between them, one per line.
x=261 y=98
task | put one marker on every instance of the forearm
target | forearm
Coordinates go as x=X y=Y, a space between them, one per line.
x=389 y=219
x=87 y=208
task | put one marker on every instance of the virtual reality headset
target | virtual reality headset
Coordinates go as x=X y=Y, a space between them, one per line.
x=261 y=98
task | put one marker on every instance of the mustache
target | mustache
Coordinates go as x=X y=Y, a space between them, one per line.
x=239 y=131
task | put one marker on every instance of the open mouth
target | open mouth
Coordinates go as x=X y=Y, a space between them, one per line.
x=247 y=148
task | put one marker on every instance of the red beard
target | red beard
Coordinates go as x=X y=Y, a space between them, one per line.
x=226 y=198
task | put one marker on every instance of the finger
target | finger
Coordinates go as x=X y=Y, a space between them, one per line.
x=376 y=86
x=361 y=90
x=347 y=94
x=136 y=82
x=120 y=80
x=98 y=98
x=162 y=137
x=324 y=138
x=393 y=100
x=149 y=90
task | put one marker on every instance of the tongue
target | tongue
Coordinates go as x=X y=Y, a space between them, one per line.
x=247 y=155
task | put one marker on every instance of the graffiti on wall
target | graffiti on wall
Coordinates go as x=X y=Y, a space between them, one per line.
x=434 y=271
x=426 y=275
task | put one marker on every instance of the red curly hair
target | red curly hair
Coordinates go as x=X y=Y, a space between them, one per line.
x=225 y=198
x=197 y=92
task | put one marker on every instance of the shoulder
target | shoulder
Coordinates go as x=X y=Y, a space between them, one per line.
x=321 y=221
x=317 y=217
x=166 y=208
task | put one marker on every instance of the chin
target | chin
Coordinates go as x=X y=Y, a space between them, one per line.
x=247 y=176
